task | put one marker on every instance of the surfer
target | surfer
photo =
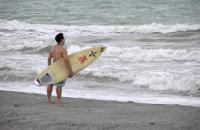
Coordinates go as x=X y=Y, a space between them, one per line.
x=57 y=52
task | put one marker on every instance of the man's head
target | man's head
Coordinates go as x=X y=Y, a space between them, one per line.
x=60 y=39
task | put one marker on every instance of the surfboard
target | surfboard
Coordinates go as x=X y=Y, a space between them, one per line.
x=57 y=71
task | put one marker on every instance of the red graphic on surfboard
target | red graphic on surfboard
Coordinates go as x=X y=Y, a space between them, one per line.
x=82 y=59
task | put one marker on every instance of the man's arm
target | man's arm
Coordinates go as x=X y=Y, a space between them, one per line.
x=49 y=57
x=67 y=62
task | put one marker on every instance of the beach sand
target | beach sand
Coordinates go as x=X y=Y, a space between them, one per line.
x=21 y=111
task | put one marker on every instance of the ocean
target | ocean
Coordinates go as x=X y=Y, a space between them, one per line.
x=152 y=56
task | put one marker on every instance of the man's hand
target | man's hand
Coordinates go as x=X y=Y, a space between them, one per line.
x=71 y=74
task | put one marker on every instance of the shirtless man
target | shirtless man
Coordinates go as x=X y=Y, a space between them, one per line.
x=58 y=51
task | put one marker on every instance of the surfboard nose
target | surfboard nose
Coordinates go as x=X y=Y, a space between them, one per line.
x=37 y=82
x=103 y=49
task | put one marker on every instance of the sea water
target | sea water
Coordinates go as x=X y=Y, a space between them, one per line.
x=152 y=56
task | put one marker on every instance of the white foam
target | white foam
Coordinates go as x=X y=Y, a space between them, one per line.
x=108 y=95
x=159 y=81
x=74 y=30
x=137 y=53
x=142 y=98
x=166 y=81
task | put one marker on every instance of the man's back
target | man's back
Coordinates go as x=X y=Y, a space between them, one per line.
x=57 y=52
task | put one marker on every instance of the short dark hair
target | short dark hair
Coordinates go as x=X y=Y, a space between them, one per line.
x=59 y=37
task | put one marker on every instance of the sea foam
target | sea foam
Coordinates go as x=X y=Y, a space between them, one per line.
x=74 y=30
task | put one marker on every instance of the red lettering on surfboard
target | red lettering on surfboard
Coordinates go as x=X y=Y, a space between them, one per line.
x=82 y=59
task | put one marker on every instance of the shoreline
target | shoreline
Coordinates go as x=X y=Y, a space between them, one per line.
x=31 y=111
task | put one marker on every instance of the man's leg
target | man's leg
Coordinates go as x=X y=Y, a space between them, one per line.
x=59 y=94
x=49 y=91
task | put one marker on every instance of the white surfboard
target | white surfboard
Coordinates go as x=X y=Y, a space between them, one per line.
x=58 y=72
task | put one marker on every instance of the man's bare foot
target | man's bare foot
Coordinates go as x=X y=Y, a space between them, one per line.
x=50 y=103
x=60 y=104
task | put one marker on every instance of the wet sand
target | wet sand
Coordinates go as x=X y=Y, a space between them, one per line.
x=21 y=111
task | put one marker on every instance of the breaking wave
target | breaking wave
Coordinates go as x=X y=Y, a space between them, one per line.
x=73 y=30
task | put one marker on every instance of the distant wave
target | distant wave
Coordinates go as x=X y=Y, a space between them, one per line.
x=148 y=54
x=74 y=30
x=43 y=49
x=32 y=48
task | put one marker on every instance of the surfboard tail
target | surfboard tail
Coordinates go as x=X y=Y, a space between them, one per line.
x=37 y=82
